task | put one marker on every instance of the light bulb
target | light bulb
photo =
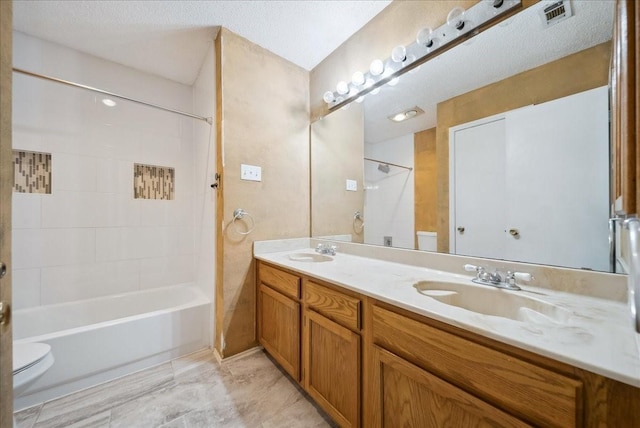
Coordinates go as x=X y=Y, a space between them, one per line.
x=357 y=78
x=360 y=99
x=352 y=92
x=339 y=100
x=369 y=83
x=108 y=102
x=399 y=54
x=328 y=97
x=425 y=37
x=376 y=68
x=394 y=81
x=342 y=87
x=375 y=91
x=455 y=18
x=398 y=117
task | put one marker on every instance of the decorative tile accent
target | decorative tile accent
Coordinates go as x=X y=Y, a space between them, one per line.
x=153 y=182
x=32 y=172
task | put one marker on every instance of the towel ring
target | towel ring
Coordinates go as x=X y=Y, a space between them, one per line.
x=239 y=213
x=357 y=216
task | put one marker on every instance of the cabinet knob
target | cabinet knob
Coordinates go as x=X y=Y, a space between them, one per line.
x=460 y=229
x=514 y=232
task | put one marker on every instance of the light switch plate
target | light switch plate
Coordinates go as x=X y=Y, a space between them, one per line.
x=352 y=185
x=250 y=172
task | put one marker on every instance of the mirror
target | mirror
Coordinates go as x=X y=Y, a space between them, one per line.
x=403 y=171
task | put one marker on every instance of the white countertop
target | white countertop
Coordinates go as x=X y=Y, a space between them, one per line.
x=596 y=336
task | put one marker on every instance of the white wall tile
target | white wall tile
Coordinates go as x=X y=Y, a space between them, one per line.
x=52 y=247
x=25 y=288
x=163 y=271
x=26 y=210
x=73 y=173
x=77 y=282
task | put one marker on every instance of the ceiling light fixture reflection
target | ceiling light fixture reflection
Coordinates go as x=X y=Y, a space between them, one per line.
x=406 y=114
x=109 y=102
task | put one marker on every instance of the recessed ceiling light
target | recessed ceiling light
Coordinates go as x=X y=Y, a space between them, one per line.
x=108 y=102
x=406 y=114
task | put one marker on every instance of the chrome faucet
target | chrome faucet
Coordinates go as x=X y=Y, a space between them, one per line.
x=326 y=249
x=495 y=279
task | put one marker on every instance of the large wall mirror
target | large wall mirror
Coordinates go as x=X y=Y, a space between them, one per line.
x=503 y=153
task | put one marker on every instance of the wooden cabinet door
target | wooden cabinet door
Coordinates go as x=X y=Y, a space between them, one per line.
x=279 y=328
x=408 y=396
x=332 y=368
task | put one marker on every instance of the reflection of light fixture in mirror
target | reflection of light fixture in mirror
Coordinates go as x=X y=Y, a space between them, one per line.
x=399 y=54
x=394 y=81
x=455 y=18
x=425 y=38
x=108 y=102
x=376 y=68
x=406 y=114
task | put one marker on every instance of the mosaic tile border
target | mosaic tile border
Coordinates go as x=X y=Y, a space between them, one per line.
x=153 y=182
x=31 y=172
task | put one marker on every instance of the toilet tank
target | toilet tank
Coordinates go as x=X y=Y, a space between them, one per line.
x=427 y=241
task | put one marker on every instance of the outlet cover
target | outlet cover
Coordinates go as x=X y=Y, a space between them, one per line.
x=250 y=172
x=352 y=185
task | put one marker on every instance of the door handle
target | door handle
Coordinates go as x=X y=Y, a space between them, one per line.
x=460 y=229
x=514 y=232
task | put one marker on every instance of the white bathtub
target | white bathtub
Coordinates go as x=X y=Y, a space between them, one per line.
x=97 y=340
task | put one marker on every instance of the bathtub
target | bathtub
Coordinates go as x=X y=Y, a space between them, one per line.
x=97 y=340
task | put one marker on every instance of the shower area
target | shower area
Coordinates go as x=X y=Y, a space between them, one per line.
x=113 y=216
x=389 y=193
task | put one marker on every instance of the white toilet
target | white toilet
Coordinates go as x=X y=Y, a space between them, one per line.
x=427 y=241
x=30 y=361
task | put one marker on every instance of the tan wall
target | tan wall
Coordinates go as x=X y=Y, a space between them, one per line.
x=263 y=106
x=397 y=24
x=6 y=189
x=575 y=73
x=337 y=151
x=425 y=181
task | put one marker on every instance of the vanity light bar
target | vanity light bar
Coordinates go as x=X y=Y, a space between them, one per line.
x=461 y=25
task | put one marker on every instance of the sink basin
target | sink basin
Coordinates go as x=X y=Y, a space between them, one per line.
x=493 y=301
x=310 y=257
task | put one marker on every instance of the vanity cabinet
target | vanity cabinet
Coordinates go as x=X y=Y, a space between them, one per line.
x=279 y=314
x=332 y=351
x=532 y=393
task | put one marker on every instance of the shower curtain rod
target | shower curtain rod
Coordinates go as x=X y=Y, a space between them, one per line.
x=389 y=163
x=111 y=94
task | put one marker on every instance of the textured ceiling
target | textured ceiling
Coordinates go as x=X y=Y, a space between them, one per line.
x=171 y=38
x=519 y=44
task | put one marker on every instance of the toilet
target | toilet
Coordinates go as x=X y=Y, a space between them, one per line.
x=427 y=241
x=30 y=361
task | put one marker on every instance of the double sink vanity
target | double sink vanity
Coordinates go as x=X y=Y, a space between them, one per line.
x=388 y=337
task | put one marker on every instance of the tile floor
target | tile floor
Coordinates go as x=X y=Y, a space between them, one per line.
x=190 y=392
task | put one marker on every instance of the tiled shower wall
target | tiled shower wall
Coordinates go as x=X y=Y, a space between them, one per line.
x=389 y=198
x=90 y=237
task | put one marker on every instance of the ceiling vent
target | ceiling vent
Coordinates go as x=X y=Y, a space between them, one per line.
x=555 y=12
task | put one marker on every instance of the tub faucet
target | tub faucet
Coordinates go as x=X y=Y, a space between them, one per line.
x=326 y=249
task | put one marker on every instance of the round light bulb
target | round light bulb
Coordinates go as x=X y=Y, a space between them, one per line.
x=369 y=83
x=360 y=99
x=409 y=114
x=455 y=18
x=375 y=91
x=398 y=117
x=328 y=97
x=399 y=54
x=352 y=92
x=394 y=81
x=425 y=37
x=342 y=87
x=357 y=78
x=376 y=68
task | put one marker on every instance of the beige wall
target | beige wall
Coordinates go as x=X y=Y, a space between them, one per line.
x=6 y=189
x=575 y=73
x=263 y=120
x=337 y=151
x=397 y=24
x=425 y=180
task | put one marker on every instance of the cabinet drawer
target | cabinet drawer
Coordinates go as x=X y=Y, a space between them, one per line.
x=530 y=392
x=339 y=307
x=277 y=279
